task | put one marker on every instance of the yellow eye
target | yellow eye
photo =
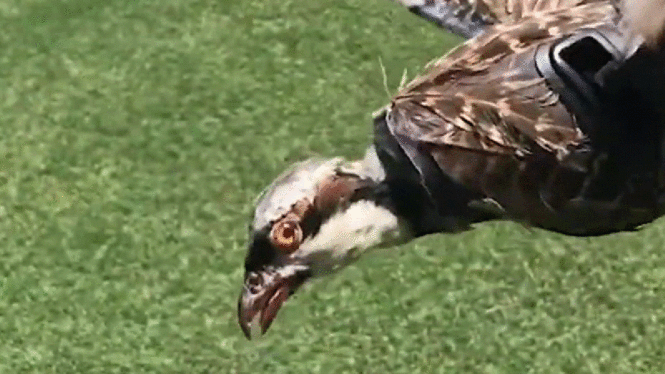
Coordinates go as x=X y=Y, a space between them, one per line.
x=286 y=235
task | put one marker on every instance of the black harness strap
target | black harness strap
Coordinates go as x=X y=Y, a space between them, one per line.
x=406 y=164
x=576 y=67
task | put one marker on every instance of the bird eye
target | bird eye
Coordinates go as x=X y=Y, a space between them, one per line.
x=286 y=235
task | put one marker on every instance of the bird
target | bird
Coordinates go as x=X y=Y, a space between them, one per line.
x=549 y=114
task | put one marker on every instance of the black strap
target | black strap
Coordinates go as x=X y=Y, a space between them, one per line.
x=577 y=66
x=403 y=159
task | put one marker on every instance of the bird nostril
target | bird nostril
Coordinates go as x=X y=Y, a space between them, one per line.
x=254 y=282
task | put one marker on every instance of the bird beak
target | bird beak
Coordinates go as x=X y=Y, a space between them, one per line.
x=264 y=293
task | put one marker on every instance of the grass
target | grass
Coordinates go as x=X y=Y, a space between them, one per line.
x=134 y=136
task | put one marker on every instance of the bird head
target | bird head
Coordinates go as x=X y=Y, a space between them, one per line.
x=315 y=218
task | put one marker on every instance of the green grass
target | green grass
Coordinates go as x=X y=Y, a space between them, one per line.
x=134 y=136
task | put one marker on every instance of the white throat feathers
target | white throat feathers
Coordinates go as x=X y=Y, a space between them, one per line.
x=349 y=233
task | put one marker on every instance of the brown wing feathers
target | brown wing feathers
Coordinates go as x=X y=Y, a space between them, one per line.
x=484 y=89
x=494 y=125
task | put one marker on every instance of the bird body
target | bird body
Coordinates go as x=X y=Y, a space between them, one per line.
x=550 y=115
x=493 y=123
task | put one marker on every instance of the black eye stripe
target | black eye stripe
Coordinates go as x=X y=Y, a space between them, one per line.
x=311 y=224
x=261 y=253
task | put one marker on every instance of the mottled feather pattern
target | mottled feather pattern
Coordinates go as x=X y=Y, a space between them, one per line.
x=503 y=40
x=498 y=128
x=484 y=79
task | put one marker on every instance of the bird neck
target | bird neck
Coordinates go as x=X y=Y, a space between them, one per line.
x=405 y=198
x=349 y=233
x=411 y=204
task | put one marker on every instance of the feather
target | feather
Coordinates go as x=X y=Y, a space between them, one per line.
x=493 y=124
x=646 y=18
x=470 y=18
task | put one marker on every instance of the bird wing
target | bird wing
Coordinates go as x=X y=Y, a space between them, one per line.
x=478 y=96
x=492 y=124
x=469 y=18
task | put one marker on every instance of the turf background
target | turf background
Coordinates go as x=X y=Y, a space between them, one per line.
x=134 y=136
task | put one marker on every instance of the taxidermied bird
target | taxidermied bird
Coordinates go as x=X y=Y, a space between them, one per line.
x=552 y=114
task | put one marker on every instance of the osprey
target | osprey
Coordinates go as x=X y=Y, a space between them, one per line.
x=551 y=114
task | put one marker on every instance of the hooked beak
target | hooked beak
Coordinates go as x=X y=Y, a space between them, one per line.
x=263 y=294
